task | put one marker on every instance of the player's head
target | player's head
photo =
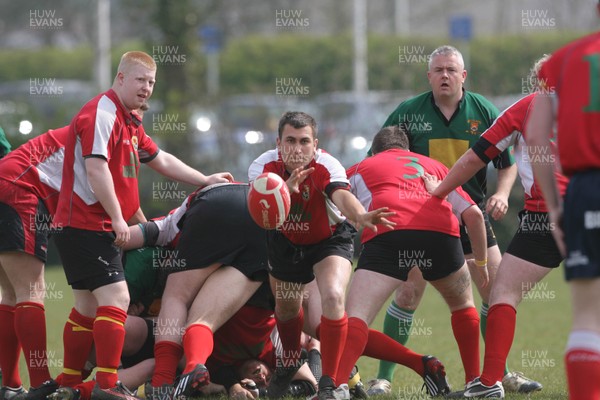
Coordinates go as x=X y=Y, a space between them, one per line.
x=390 y=137
x=135 y=79
x=532 y=79
x=446 y=72
x=297 y=139
x=256 y=370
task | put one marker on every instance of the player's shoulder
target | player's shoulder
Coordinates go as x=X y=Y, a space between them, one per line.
x=482 y=103
x=323 y=158
x=416 y=101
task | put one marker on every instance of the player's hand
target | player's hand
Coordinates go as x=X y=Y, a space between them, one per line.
x=556 y=227
x=483 y=273
x=497 y=206
x=237 y=391
x=375 y=217
x=431 y=182
x=297 y=177
x=219 y=177
x=121 y=230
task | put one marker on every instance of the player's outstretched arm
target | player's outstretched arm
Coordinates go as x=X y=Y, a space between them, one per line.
x=464 y=169
x=349 y=205
x=170 y=166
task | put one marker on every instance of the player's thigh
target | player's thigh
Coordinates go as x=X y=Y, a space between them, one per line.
x=26 y=275
x=409 y=293
x=223 y=294
x=7 y=292
x=456 y=289
x=367 y=293
x=333 y=274
x=183 y=286
x=514 y=279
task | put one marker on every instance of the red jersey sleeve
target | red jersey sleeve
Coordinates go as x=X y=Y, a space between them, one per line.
x=147 y=148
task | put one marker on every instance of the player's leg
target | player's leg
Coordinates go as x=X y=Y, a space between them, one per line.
x=456 y=291
x=397 y=325
x=180 y=292
x=26 y=273
x=9 y=343
x=333 y=274
x=368 y=291
x=222 y=295
x=582 y=357
x=515 y=277
x=582 y=236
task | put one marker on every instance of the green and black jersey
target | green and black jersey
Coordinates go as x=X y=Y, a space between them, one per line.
x=431 y=134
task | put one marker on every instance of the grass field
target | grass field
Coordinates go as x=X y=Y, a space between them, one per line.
x=542 y=327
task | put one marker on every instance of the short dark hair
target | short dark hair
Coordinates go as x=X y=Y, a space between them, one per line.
x=297 y=119
x=390 y=137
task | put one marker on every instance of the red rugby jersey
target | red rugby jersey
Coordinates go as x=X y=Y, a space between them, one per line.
x=572 y=74
x=37 y=166
x=509 y=129
x=103 y=128
x=392 y=179
x=313 y=216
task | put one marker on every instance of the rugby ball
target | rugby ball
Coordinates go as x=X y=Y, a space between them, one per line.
x=269 y=200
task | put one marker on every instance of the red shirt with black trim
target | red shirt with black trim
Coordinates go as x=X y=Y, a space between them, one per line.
x=392 y=179
x=572 y=76
x=246 y=335
x=105 y=129
x=313 y=216
x=509 y=129
x=37 y=166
